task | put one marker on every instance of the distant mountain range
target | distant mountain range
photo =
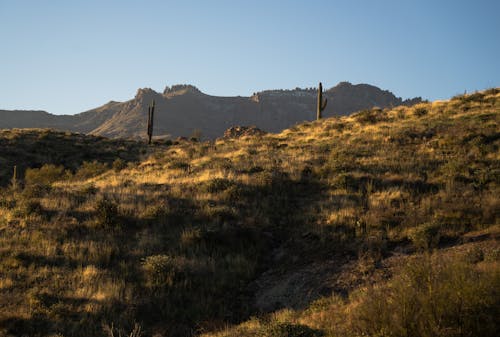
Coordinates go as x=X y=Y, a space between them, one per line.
x=183 y=109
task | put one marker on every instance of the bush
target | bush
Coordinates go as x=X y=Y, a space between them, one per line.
x=216 y=185
x=420 y=111
x=90 y=169
x=119 y=164
x=45 y=175
x=433 y=297
x=372 y=116
x=156 y=269
x=167 y=271
x=179 y=165
x=28 y=207
x=106 y=212
x=290 y=330
x=425 y=236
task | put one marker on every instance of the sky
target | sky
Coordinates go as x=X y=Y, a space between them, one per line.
x=70 y=56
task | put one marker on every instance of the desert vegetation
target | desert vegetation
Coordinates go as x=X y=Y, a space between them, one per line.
x=382 y=223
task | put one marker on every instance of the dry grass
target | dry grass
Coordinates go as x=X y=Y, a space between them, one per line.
x=183 y=241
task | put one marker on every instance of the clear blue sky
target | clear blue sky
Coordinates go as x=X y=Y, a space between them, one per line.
x=69 y=56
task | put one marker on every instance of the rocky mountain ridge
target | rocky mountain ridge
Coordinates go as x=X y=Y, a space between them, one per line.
x=183 y=109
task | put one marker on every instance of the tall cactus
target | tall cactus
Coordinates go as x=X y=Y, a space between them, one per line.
x=321 y=105
x=151 y=114
x=14 y=178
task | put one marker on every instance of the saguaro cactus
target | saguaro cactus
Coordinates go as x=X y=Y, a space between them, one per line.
x=321 y=105
x=151 y=114
x=14 y=178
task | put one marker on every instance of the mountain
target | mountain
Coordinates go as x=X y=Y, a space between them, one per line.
x=183 y=109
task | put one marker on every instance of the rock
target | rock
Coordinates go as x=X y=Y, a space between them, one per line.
x=242 y=131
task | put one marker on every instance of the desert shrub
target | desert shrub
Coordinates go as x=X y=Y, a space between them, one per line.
x=290 y=330
x=168 y=271
x=420 y=111
x=28 y=207
x=492 y=91
x=340 y=161
x=425 y=236
x=106 y=212
x=220 y=214
x=345 y=180
x=6 y=201
x=475 y=97
x=35 y=191
x=433 y=296
x=179 y=165
x=253 y=170
x=156 y=269
x=89 y=189
x=90 y=169
x=216 y=185
x=157 y=211
x=223 y=164
x=474 y=255
x=119 y=164
x=371 y=116
x=44 y=175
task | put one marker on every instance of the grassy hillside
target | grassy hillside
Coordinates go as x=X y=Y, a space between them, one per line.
x=383 y=223
x=32 y=148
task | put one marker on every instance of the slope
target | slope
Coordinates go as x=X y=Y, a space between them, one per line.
x=202 y=235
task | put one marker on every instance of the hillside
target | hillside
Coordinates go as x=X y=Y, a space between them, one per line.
x=381 y=223
x=32 y=148
x=183 y=110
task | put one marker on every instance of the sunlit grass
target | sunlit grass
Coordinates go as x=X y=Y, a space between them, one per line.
x=180 y=238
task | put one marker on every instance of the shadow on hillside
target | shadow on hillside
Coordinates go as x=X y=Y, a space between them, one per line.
x=52 y=316
x=39 y=261
x=34 y=148
x=239 y=225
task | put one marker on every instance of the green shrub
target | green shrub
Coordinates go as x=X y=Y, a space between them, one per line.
x=45 y=175
x=432 y=296
x=90 y=169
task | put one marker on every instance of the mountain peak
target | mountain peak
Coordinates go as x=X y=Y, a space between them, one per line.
x=145 y=94
x=347 y=86
x=180 y=89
